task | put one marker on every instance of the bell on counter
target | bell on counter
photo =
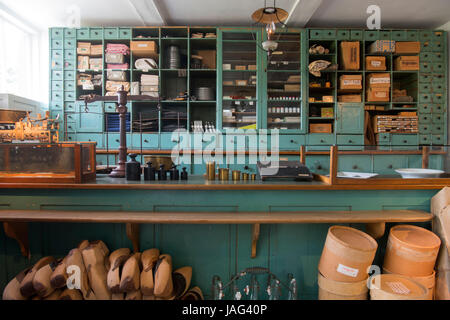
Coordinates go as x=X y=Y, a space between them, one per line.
x=162 y=174
x=149 y=172
x=133 y=169
x=174 y=173
x=184 y=174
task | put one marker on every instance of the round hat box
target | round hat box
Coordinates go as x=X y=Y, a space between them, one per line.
x=396 y=287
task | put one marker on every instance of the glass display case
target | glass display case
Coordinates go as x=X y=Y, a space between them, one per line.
x=52 y=163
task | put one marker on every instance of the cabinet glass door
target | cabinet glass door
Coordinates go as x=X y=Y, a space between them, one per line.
x=284 y=83
x=239 y=79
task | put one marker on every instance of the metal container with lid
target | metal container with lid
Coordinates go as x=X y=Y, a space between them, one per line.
x=173 y=57
x=205 y=93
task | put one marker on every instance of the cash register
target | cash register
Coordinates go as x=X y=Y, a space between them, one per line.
x=284 y=170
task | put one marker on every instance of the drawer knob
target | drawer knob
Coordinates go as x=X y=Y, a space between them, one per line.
x=405 y=141
x=145 y=140
x=292 y=141
x=117 y=140
x=390 y=166
x=319 y=167
x=350 y=141
x=322 y=141
x=355 y=167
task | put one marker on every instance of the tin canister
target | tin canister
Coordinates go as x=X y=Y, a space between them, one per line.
x=211 y=171
x=224 y=174
x=245 y=176
x=253 y=176
x=236 y=174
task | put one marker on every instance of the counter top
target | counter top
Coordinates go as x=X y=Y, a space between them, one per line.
x=199 y=183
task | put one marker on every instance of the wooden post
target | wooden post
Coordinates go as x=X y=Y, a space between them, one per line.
x=302 y=155
x=77 y=163
x=133 y=235
x=255 y=237
x=425 y=157
x=19 y=232
x=333 y=164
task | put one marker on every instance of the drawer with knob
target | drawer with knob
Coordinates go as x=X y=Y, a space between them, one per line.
x=350 y=142
x=437 y=139
x=386 y=164
x=291 y=142
x=318 y=164
x=404 y=141
x=355 y=163
x=146 y=140
x=92 y=137
x=320 y=141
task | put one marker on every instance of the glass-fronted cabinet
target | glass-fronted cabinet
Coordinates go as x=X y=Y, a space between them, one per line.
x=239 y=77
x=284 y=100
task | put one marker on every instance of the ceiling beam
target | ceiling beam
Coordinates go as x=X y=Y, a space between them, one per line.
x=148 y=12
x=302 y=11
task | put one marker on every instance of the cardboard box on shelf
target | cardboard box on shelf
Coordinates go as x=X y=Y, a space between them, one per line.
x=327 y=98
x=407 y=63
x=291 y=87
x=149 y=88
x=228 y=82
x=97 y=50
x=96 y=63
x=350 y=81
x=209 y=58
x=84 y=48
x=144 y=49
x=350 y=56
x=83 y=62
x=239 y=67
x=114 y=86
x=327 y=112
x=241 y=82
x=320 y=128
x=226 y=66
x=376 y=63
x=252 y=67
x=350 y=98
x=379 y=80
x=407 y=47
x=378 y=95
x=382 y=46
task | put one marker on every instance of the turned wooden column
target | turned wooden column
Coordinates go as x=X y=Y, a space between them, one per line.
x=119 y=171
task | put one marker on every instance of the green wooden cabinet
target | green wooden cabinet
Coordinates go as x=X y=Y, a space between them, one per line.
x=350 y=118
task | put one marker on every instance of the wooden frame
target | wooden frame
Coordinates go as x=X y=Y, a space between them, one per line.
x=77 y=176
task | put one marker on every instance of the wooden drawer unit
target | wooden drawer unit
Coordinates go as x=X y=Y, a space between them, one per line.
x=57 y=85
x=412 y=35
x=169 y=141
x=438 y=98
x=57 y=75
x=318 y=164
x=355 y=163
x=56 y=105
x=69 y=75
x=83 y=34
x=71 y=127
x=404 y=141
x=234 y=142
x=425 y=128
x=96 y=33
x=320 y=141
x=350 y=142
x=426 y=46
x=438 y=87
x=399 y=35
x=437 y=139
x=69 y=85
x=316 y=34
x=438 y=67
x=57 y=95
x=72 y=116
x=425 y=87
x=124 y=33
x=437 y=57
x=425 y=77
x=70 y=106
x=425 y=139
x=437 y=46
x=110 y=107
x=356 y=34
x=57 y=44
x=425 y=35
x=350 y=118
x=343 y=34
x=386 y=164
x=425 y=108
x=437 y=128
x=384 y=35
x=425 y=67
x=371 y=35
x=69 y=96
x=425 y=97
x=57 y=33
x=291 y=142
x=91 y=121
x=425 y=118
x=91 y=137
x=111 y=33
x=438 y=118
x=426 y=57
x=436 y=162
x=69 y=65
x=438 y=108
x=113 y=140
x=70 y=55
x=70 y=44
x=149 y=141
x=70 y=33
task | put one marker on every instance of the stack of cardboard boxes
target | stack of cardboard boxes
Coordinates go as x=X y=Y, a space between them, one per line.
x=378 y=87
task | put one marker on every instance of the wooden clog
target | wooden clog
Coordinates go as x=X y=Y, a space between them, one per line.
x=131 y=271
x=148 y=260
x=12 y=289
x=117 y=259
x=26 y=286
x=94 y=259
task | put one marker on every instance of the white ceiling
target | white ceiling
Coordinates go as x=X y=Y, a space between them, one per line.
x=317 y=13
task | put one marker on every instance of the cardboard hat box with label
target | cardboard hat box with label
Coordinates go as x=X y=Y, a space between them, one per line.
x=382 y=46
x=350 y=98
x=320 y=128
x=350 y=57
x=350 y=81
x=84 y=48
x=96 y=50
x=379 y=80
x=83 y=62
x=376 y=63
x=96 y=64
x=407 y=63
x=407 y=47
x=144 y=49
x=378 y=95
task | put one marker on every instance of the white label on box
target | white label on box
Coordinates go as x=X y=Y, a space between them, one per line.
x=352 y=82
x=348 y=271
x=142 y=45
x=375 y=63
x=381 y=94
x=398 y=287
x=379 y=80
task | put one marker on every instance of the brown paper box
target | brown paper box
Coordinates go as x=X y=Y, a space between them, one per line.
x=144 y=49
x=378 y=95
x=320 y=128
x=350 y=98
x=350 y=81
x=376 y=63
x=407 y=47
x=209 y=58
x=379 y=80
x=350 y=55
x=407 y=63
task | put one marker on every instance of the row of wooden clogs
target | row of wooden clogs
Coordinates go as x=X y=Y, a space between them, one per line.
x=90 y=272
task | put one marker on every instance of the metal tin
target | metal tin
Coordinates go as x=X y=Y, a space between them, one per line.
x=245 y=176
x=253 y=176
x=211 y=170
x=236 y=175
x=205 y=93
x=224 y=174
